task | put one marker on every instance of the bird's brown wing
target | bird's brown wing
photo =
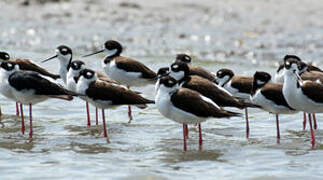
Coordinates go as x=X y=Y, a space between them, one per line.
x=105 y=78
x=27 y=65
x=191 y=102
x=100 y=90
x=200 y=71
x=131 y=65
x=313 y=90
x=242 y=83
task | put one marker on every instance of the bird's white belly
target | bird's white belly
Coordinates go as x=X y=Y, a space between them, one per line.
x=99 y=103
x=71 y=85
x=167 y=109
x=6 y=90
x=235 y=92
x=28 y=97
x=269 y=105
x=279 y=77
x=297 y=100
x=124 y=77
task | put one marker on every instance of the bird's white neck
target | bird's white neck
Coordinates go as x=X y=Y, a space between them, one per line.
x=63 y=68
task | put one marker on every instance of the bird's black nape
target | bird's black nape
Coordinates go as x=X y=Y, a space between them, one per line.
x=4 y=56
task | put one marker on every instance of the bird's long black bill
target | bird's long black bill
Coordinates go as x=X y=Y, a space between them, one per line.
x=49 y=59
x=298 y=77
x=93 y=53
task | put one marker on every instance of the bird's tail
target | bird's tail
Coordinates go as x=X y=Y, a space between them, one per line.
x=249 y=104
x=143 y=106
x=228 y=114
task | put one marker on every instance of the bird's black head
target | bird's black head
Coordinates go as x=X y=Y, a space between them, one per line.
x=112 y=45
x=302 y=67
x=4 y=56
x=77 y=64
x=87 y=73
x=168 y=82
x=9 y=66
x=261 y=78
x=292 y=57
x=291 y=60
x=223 y=76
x=179 y=70
x=64 y=50
x=224 y=72
x=183 y=58
x=164 y=71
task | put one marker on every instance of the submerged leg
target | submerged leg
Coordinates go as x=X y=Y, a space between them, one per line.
x=129 y=111
x=31 y=122
x=304 y=121
x=184 y=137
x=17 y=109
x=96 y=116
x=312 y=131
x=22 y=119
x=314 y=119
x=129 y=114
x=278 y=130
x=104 y=126
x=200 y=137
x=186 y=131
x=88 y=114
x=247 y=123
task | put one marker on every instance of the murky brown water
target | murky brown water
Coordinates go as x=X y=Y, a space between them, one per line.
x=243 y=35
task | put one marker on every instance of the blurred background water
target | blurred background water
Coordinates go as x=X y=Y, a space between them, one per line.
x=245 y=36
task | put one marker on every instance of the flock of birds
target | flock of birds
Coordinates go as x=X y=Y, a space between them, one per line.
x=184 y=93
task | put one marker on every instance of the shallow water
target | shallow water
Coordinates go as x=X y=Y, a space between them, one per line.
x=244 y=36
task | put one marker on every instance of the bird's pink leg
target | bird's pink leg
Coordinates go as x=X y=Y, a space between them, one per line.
x=200 y=137
x=247 y=123
x=17 y=109
x=314 y=119
x=184 y=137
x=31 y=122
x=186 y=131
x=278 y=130
x=88 y=114
x=104 y=127
x=304 y=121
x=129 y=111
x=22 y=119
x=312 y=131
x=96 y=116
x=129 y=114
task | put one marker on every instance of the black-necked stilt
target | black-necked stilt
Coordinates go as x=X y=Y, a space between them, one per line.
x=125 y=70
x=312 y=75
x=220 y=96
x=301 y=95
x=104 y=95
x=238 y=86
x=186 y=106
x=270 y=97
x=195 y=70
x=65 y=54
x=164 y=71
x=307 y=74
x=26 y=65
x=29 y=88
x=279 y=77
x=180 y=72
